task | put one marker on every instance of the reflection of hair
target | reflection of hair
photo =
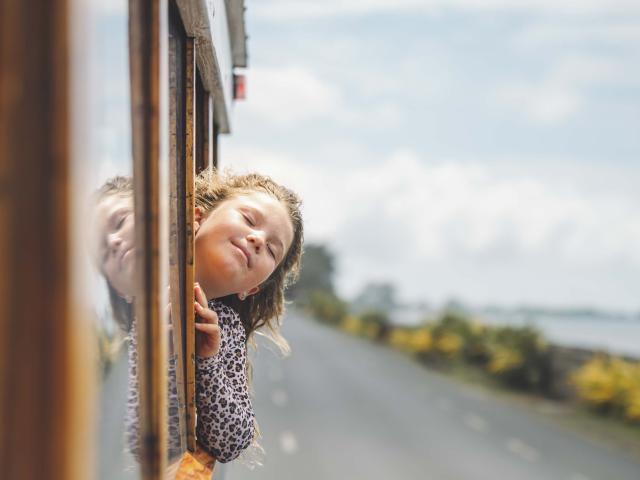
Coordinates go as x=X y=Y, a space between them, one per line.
x=266 y=307
x=117 y=185
x=122 y=310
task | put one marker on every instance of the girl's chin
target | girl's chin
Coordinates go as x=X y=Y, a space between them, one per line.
x=219 y=291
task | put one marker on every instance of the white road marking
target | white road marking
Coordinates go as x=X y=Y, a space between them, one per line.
x=288 y=443
x=279 y=397
x=579 y=476
x=476 y=422
x=521 y=449
x=275 y=373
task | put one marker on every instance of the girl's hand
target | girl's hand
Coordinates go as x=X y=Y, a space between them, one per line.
x=208 y=330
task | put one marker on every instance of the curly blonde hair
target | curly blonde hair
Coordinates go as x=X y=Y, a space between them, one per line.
x=266 y=307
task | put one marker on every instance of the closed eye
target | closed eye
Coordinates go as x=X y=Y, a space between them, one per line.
x=249 y=220
x=271 y=251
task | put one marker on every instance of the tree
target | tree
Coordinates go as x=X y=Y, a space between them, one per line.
x=377 y=296
x=316 y=272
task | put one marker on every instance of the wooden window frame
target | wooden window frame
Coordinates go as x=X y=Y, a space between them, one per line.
x=203 y=126
x=214 y=145
x=189 y=273
x=38 y=316
x=147 y=34
x=177 y=47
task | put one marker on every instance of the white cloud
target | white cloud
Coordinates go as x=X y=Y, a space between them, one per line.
x=554 y=33
x=548 y=103
x=453 y=208
x=564 y=90
x=289 y=94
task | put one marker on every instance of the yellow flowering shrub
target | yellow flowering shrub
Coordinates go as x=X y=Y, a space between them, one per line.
x=518 y=356
x=421 y=341
x=352 y=324
x=632 y=405
x=449 y=344
x=400 y=338
x=371 y=330
x=504 y=359
x=628 y=374
x=595 y=382
x=478 y=328
x=610 y=383
x=327 y=307
x=375 y=324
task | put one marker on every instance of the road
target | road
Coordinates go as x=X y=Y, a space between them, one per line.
x=343 y=408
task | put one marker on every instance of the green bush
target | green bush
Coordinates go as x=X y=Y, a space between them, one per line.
x=376 y=324
x=327 y=307
x=516 y=355
x=456 y=335
x=519 y=357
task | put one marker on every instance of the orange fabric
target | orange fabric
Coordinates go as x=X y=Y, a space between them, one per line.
x=196 y=465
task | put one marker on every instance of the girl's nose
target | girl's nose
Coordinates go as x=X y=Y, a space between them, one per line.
x=256 y=240
x=113 y=240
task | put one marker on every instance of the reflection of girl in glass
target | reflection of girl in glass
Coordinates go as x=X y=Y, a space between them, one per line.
x=115 y=249
x=248 y=244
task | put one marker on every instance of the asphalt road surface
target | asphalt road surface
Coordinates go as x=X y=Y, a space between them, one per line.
x=343 y=408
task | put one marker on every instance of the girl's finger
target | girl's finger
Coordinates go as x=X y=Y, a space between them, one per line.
x=206 y=314
x=208 y=328
x=200 y=295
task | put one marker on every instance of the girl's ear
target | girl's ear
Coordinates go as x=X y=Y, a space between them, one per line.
x=248 y=293
x=253 y=291
x=197 y=218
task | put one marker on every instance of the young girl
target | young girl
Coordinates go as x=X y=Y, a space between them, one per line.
x=248 y=244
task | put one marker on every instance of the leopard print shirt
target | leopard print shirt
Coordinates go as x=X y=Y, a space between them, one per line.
x=225 y=418
x=225 y=424
x=133 y=403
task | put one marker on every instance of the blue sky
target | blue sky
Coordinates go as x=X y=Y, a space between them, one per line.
x=483 y=150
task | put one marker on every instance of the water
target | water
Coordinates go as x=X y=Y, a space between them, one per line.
x=618 y=335
x=615 y=335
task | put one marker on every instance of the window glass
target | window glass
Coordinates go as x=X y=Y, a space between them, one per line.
x=104 y=221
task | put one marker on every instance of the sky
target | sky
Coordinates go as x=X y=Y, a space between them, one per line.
x=481 y=150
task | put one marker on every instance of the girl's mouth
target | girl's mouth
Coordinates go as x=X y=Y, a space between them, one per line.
x=244 y=253
x=125 y=255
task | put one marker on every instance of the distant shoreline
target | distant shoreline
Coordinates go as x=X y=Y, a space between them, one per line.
x=614 y=333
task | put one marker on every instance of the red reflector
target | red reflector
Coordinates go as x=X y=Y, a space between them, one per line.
x=239 y=87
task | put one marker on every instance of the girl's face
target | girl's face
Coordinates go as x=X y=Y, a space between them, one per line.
x=240 y=243
x=116 y=253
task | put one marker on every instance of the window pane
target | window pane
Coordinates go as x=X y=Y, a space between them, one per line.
x=105 y=220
